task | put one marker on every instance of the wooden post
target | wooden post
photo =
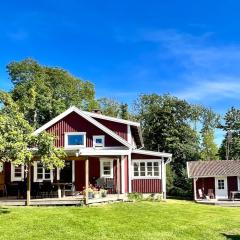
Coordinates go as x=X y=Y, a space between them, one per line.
x=118 y=177
x=86 y=179
x=28 y=185
x=195 y=189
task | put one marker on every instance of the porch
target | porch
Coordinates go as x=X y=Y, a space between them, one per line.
x=216 y=202
x=64 y=201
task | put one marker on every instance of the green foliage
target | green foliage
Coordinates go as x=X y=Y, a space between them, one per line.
x=44 y=92
x=17 y=142
x=135 y=196
x=232 y=124
x=166 y=126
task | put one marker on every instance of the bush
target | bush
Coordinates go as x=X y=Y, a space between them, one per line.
x=180 y=193
x=135 y=196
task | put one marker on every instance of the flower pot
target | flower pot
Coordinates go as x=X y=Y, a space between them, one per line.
x=90 y=195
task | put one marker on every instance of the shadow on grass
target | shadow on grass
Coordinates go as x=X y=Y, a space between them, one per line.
x=4 y=210
x=231 y=237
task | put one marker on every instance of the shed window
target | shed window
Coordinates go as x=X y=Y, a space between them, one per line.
x=17 y=172
x=41 y=173
x=220 y=184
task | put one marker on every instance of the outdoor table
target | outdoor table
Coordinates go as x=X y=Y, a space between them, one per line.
x=233 y=193
x=61 y=187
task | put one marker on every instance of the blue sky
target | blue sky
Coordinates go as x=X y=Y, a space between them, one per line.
x=187 y=48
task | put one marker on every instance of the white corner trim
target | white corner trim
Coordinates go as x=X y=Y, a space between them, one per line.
x=122 y=174
x=67 y=146
x=16 y=179
x=73 y=171
x=129 y=134
x=129 y=173
x=102 y=160
x=88 y=118
x=152 y=153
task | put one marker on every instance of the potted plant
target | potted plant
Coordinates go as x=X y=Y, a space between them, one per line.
x=90 y=192
x=103 y=192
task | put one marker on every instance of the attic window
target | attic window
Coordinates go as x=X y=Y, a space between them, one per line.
x=75 y=139
x=98 y=141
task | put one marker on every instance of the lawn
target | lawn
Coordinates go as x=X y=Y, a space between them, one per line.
x=142 y=220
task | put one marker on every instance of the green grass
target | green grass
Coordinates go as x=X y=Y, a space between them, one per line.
x=143 y=220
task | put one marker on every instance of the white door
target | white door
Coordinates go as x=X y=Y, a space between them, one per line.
x=221 y=191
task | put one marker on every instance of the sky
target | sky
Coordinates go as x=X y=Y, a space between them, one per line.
x=190 y=49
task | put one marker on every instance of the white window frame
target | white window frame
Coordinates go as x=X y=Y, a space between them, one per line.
x=146 y=161
x=36 y=179
x=97 y=144
x=16 y=179
x=66 y=145
x=102 y=161
x=238 y=183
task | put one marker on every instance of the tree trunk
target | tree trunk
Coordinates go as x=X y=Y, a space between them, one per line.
x=28 y=185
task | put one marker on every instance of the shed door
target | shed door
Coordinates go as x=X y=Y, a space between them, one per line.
x=221 y=187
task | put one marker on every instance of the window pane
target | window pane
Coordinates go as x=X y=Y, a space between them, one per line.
x=220 y=184
x=18 y=171
x=75 y=140
x=107 y=168
x=149 y=168
x=99 y=140
x=156 y=169
x=142 y=169
x=136 y=169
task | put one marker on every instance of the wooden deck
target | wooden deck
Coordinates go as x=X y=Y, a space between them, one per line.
x=66 y=201
x=224 y=203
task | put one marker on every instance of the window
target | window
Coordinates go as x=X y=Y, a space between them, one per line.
x=99 y=141
x=17 y=172
x=75 y=139
x=106 y=168
x=220 y=184
x=41 y=173
x=146 y=169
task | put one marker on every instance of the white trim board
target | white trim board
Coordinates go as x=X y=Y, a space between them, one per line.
x=152 y=153
x=88 y=118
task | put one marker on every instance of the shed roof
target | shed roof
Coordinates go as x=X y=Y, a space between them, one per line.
x=213 y=168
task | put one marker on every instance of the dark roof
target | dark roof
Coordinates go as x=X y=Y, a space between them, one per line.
x=213 y=168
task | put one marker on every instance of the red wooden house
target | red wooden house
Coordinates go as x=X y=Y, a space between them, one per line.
x=99 y=147
x=215 y=179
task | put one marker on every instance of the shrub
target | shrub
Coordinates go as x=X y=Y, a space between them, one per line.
x=135 y=196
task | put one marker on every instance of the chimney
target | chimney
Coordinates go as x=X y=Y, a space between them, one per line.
x=97 y=111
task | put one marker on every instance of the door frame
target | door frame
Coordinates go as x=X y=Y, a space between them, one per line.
x=220 y=196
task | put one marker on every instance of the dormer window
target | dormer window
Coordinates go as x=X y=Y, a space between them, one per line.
x=75 y=139
x=99 y=141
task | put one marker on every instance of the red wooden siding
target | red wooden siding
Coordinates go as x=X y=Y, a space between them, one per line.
x=119 y=128
x=146 y=185
x=232 y=184
x=75 y=123
x=142 y=156
x=205 y=184
x=94 y=172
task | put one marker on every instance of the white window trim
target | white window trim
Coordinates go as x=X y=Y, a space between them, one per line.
x=102 y=160
x=97 y=144
x=238 y=183
x=66 y=134
x=35 y=179
x=16 y=179
x=145 y=161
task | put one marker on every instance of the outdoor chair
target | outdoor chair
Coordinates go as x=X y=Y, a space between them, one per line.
x=110 y=185
x=69 y=190
x=210 y=193
x=3 y=190
x=200 y=193
x=101 y=182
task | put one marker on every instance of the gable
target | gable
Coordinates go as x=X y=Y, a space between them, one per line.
x=75 y=123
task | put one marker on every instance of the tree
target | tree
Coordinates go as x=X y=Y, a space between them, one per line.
x=210 y=120
x=109 y=107
x=166 y=123
x=124 y=114
x=20 y=146
x=231 y=141
x=44 y=92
